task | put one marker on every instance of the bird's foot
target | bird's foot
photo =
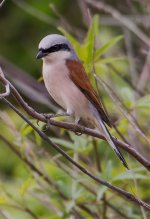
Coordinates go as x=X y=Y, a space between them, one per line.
x=48 y=117
x=48 y=120
x=76 y=129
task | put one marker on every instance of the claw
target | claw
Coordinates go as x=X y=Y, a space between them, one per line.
x=47 y=117
x=45 y=129
x=37 y=122
x=76 y=132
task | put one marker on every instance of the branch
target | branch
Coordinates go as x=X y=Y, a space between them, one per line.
x=6 y=86
x=120 y=191
x=122 y=108
x=144 y=76
x=72 y=127
x=27 y=85
x=122 y=19
x=126 y=80
x=2 y=2
x=38 y=171
x=88 y=188
x=138 y=19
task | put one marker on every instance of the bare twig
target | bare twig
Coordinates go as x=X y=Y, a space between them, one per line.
x=129 y=51
x=65 y=23
x=127 y=115
x=27 y=84
x=139 y=19
x=89 y=189
x=2 y=2
x=6 y=86
x=72 y=127
x=145 y=76
x=36 y=170
x=85 y=15
x=99 y=5
x=118 y=210
x=126 y=80
x=120 y=191
x=26 y=210
x=61 y=151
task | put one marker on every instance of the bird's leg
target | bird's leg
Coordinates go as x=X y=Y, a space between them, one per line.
x=50 y=116
x=77 y=120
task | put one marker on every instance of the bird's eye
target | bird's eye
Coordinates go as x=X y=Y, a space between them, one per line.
x=56 y=46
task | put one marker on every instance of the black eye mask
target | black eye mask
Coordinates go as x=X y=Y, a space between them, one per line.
x=55 y=48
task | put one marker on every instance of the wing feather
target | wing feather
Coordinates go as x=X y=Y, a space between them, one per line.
x=78 y=76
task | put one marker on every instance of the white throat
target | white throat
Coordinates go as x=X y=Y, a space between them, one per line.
x=55 y=57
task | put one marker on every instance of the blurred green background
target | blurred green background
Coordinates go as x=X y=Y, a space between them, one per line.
x=123 y=62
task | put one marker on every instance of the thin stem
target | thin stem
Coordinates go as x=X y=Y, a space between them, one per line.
x=2 y=2
x=99 y=5
x=73 y=127
x=120 y=191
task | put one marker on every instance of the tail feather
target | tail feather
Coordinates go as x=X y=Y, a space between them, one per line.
x=110 y=140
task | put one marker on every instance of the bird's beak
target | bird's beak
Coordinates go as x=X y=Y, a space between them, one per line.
x=41 y=54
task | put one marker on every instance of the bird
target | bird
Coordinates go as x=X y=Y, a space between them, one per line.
x=68 y=84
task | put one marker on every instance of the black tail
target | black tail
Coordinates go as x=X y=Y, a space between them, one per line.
x=110 y=140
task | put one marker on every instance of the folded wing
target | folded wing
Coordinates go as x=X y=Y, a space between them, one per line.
x=81 y=80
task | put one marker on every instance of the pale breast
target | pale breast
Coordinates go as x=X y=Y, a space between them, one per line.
x=62 y=89
x=53 y=78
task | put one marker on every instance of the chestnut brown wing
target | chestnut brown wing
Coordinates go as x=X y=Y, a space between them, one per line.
x=79 y=77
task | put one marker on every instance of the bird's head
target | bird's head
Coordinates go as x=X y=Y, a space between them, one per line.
x=55 y=47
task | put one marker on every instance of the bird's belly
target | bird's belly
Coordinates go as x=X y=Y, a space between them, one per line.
x=64 y=91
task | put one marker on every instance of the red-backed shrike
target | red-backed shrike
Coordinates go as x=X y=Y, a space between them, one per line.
x=67 y=82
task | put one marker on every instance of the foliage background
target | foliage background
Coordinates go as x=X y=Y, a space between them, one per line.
x=123 y=62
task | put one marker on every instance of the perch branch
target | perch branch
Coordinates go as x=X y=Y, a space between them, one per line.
x=72 y=127
x=120 y=191
x=36 y=170
x=99 y=5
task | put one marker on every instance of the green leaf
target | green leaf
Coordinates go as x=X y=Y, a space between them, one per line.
x=26 y=130
x=139 y=169
x=143 y=102
x=88 y=46
x=84 y=51
x=101 y=192
x=106 y=46
x=62 y=179
x=38 y=139
x=69 y=206
x=81 y=144
x=129 y=175
x=127 y=96
x=64 y=143
x=108 y=171
x=26 y=185
x=93 y=30
x=3 y=200
x=111 y=60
